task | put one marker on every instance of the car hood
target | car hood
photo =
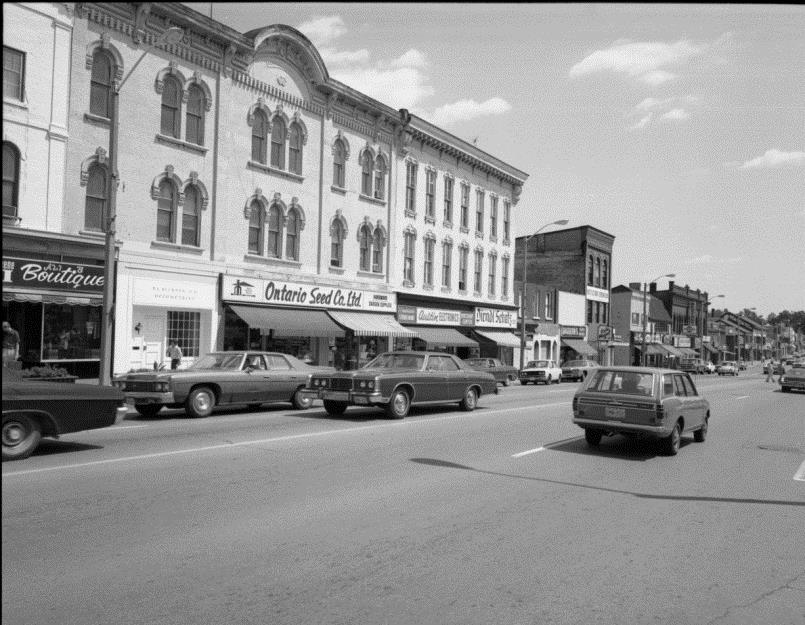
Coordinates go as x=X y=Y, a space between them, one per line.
x=362 y=373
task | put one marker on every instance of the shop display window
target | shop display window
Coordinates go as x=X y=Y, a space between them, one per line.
x=184 y=327
x=71 y=332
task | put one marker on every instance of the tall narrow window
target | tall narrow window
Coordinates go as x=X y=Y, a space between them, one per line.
x=380 y=177
x=367 y=165
x=504 y=278
x=278 y=144
x=365 y=248
x=447 y=260
x=171 y=107
x=493 y=262
x=430 y=193
x=549 y=304
x=337 y=245
x=295 y=150
x=463 y=258
x=377 y=251
x=597 y=278
x=506 y=220
x=95 y=207
x=605 y=276
x=493 y=217
x=339 y=164
x=590 y=271
x=11 y=179
x=427 y=276
x=13 y=73
x=166 y=211
x=274 y=239
x=196 y=104
x=292 y=235
x=190 y=216
x=410 y=187
x=479 y=261
x=479 y=211
x=408 y=262
x=465 y=205
x=259 y=137
x=100 y=86
x=448 y=200
x=256 y=227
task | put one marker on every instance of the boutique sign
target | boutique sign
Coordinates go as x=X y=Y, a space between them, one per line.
x=303 y=295
x=51 y=275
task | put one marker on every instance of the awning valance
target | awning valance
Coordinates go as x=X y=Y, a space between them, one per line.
x=673 y=351
x=582 y=347
x=51 y=298
x=653 y=350
x=709 y=348
x=686 y=351
x=288 y=321
x=370 y=324
x=449 y=337
x=503 y=338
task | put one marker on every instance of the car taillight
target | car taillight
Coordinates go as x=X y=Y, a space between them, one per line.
x=575 y=404
x=660 y=415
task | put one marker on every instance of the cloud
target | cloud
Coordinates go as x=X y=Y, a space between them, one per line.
x=642 y=123
x=323 y=30
x=666 y=109
x=466 y=110
x=708 y=259
x=675 y=114
x=775 y=158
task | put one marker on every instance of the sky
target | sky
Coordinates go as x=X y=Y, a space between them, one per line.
x=679 y=129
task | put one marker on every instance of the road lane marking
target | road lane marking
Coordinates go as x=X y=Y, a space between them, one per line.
x=530 y=451
x=800 y=474
x=544 y=447
x=277 y=439
x=743 y=397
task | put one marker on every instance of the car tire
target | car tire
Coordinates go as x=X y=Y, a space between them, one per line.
x=301 y=401
x=399 y=404
x=672 y=442
x=785 y=389
x=148 y=410
x=593 y=437
x=701 y=434
x=200 y=402
x=548 y=380
x=523 y=383
x=470 y=400
x=21 y=436
x=335 y=408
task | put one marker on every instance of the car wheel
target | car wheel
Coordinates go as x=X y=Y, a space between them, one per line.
x=398 y=405
x=548 y=380
x=785 y=389
x=335 y=408
x=700 y=434
x=300 y=400
x=200 y=402
x=148 y=410
x=470 y=400
x=523 y=383
x=558 y=380
x=593 y=437
x=21 y=436
x=672 y=442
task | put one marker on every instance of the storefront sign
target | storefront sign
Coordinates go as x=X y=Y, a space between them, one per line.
x=682 y=341
x=495 y=318
x=572 y=331
x=148 y=292
x=303 y=295
x=435 y=316
x=597 y=295
x=50 y=275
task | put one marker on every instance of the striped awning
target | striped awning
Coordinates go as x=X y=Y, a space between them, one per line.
x=653 y=350
x=51 y=298
x=673 y=351
x=582 y=347
x=288 y=321
x=449 y=337
x=506 y=339
x=370 y=324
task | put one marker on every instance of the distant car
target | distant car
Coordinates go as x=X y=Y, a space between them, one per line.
x=218 y=378
x=541 y=371
x=32 y=410
x=794 y=378
x=728 y=367
x=694 y=365
x=777 y=368
x=741 y=365
x=395 y=381
x=709 y=367
x=641 y=401
x=576 y=370
x=504 y=374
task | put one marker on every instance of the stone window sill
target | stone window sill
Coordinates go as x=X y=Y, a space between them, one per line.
x=99 y=120
x=464 y=230
x=98 y=234
x=268 y=169
x=177 y=247
x=184 y=145
x=337 y=189
x=371 y=275
x=371 y=200
x=410 y=213
x=336 y=269
x=266 y=260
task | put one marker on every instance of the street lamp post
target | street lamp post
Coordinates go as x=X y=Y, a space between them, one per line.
x=172 y=35
x=645 y=314
x=558 y=222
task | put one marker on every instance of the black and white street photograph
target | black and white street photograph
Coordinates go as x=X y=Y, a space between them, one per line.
x=403 y=313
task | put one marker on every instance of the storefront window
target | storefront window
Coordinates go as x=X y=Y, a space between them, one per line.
x=185 y=328
x=71 y=332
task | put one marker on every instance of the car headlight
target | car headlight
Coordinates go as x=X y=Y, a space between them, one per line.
x=783 y=379
x=366 y=385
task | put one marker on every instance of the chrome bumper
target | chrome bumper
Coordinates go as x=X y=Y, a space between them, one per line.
x=351 y=397
x=660 y=431
x=145 y=397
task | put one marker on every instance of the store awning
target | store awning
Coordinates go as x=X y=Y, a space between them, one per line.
x=709 y=348
x=370 y=324
x=501 y=337
x=653 y=350
x=686 y=351
x=449 y=337
x=51 y=298
x=673 y=351
x=582 y=347
x=288 y=322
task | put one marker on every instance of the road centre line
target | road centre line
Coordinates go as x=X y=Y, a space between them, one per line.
x=544 y=447
x=277 y=439
x=800 y=474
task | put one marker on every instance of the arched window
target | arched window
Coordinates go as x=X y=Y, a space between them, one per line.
x=365 y=247
x=259 y=137
x=11 y=179
x=295 y=150
x=380 y=177
x=274 y=232
x=196 y=104
x=339 y=164
x=100 y=86
x=367 y=164
x=95 y=203
x=605 y=276
x=166 y=211
x=257 y=218
x=278 y=144
x=292 y=235
x=337 y=244
x=377 y=251
x=590 y=271
x=171 y=107
x=597 y=278
x=190 y=216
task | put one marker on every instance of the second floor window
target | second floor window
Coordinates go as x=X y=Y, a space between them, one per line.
x=493 y=261
x=260 y=137
x=278 y=144
x=257 y=218
x=479 y=211
x=337 y=244
x=100 y=86
x=339 y=164
x=166 y=211
x=170 y=124
x=463 y=258
x=408 y=257
x=548 y=304
x=504 y=278
x=448 y=200
x=274 y=238
x=13 y=73
x=295 y=150
x=11 y=179
x=95 y=207
x=410 y=187
x=190 y=217
x=430 y=193
x=427 y=275
x=493 y=217
x=447 y=261
x=364 y=248
x=479 y=261
x=292 y=228
x=590 y=265
x=506 y=220
x=194 y=122
x=465 y=205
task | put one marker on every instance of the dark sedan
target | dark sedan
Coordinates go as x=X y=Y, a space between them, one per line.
x=577 y=370
x=32 y=410
x=504 y=374
x=396 y=381
x=793 y=379
x=219 y=378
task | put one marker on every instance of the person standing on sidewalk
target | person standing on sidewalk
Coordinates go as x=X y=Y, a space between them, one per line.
x=770 y=371
x=11 y=343
x=175 y=354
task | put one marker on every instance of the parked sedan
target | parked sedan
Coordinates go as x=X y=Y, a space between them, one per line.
x=576 y=370
x=728 y=367
x=505 y=374
x=794 y=378
x=219 y=378
x=541 y=371
x=395 y=381
x=641 y=401
x=32 y=410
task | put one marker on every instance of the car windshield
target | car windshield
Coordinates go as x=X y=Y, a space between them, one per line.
x=539 y=364
x=218 y=361
x=476 y=361
x=628 y=382
x=397 y=361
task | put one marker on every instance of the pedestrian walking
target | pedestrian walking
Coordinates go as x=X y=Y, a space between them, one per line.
x=175 y=354
x=11 y=344
x=770 y=371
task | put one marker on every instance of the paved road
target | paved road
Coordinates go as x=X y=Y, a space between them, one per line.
x=502 y=515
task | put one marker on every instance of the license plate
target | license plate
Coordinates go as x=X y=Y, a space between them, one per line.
x=335 y=396
x=615 y=412
x=361 y=400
